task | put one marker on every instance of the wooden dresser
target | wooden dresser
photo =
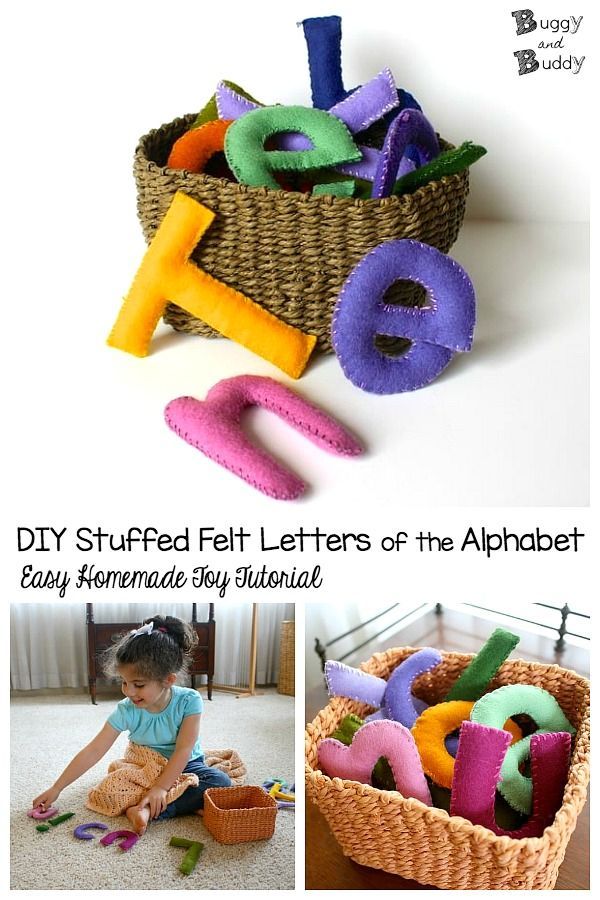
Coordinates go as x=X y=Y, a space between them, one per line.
x=100 y=635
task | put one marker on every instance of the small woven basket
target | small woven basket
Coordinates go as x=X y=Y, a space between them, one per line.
x=383 y=830
x=290 y=252
x=234 y=815
x=287 y=659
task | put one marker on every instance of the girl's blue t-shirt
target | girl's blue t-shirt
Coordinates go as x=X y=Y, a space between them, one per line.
x=159 y=730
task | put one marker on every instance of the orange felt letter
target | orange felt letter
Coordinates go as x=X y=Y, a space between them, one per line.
x=166 y=275
x=431 y=729
x=194 y=148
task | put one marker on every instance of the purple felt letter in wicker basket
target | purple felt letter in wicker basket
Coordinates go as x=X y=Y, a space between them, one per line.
x=393 y=696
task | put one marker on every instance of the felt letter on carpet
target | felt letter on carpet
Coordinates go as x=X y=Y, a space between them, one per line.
x=167 y=275
x=126 y=839
x=193 y=848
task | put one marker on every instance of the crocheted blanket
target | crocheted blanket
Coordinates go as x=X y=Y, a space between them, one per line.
x=129 y=778
x=228 y=761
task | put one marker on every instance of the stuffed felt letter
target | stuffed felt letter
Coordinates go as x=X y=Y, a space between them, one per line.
x=194 y=148
x=431 y=730
x=393 y=696
x=323 y=37
x=450 y=162
x=366 y=105
x=474 y=680
x=374 y=740
x=193 y=850
x=346 y=681
x=382 y=776
x=347 y=729
x=409 y=128
x=398 y=701
x=253 y=165
x=436 y=331
x=545 y=711
x=481 y=750
x=213 y=427
x=39 y=813
x=210 y=111
x=126 y=839
x=166 y=274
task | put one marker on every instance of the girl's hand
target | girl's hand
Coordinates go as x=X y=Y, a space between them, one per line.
x=46 y=799
x=156 y=799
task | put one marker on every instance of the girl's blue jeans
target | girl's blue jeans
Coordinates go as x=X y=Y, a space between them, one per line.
x=193 y=798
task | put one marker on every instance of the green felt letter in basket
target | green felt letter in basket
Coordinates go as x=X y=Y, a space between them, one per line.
x=474 y=680
x=253 y=165
x=495 y=708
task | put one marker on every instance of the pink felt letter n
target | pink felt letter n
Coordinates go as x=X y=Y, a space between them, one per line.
x=213 y=427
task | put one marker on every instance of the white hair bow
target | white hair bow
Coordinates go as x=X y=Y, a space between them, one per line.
x=145 y=629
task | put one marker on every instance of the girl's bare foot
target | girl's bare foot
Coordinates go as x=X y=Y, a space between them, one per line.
x=138 y=816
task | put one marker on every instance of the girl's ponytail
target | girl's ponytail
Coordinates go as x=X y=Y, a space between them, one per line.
x=162 y=646
x=181 y=632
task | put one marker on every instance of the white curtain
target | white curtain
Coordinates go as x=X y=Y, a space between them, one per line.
x=48 y=642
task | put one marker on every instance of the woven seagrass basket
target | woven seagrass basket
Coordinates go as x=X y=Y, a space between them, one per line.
x=234 y=815
x=383 y=830
x=287 y=659
x=290 y=252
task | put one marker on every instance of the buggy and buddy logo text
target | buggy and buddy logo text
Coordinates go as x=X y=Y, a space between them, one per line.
x=528 y=61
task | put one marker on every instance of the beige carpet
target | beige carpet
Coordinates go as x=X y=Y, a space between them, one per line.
x=46 y=731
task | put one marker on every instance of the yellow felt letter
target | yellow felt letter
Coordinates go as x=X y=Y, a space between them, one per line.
x=167 y=275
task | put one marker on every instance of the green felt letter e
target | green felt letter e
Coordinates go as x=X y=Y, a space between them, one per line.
x=253 y=165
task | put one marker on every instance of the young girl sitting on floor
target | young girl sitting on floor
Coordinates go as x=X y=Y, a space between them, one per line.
x=158 y=714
